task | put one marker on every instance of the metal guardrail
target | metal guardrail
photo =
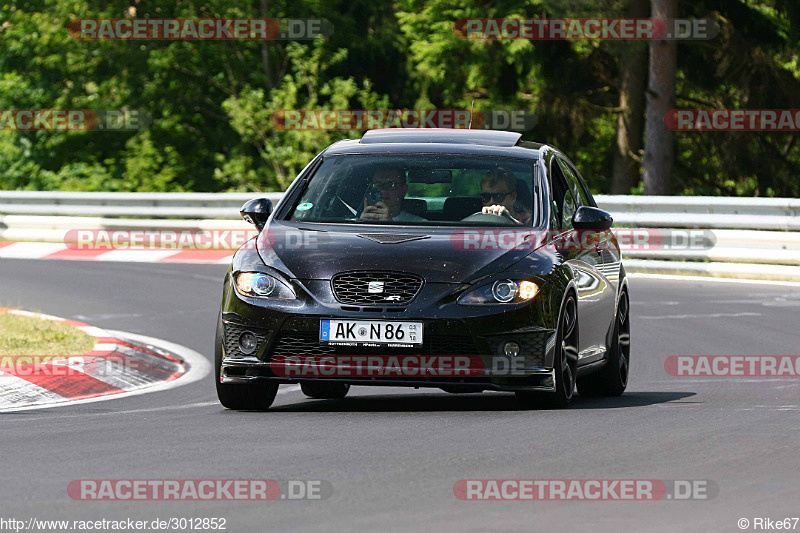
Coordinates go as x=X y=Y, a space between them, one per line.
x=120 y=204
x=752 y=234
x=781 y=214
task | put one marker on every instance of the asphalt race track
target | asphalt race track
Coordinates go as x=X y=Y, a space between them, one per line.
x=393 y=455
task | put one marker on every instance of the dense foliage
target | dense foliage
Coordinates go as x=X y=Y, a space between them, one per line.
x=211 y=102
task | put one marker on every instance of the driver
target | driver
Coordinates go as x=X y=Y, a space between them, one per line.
x=391 y=182
x=499 y=196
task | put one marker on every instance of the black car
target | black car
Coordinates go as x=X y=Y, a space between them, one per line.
x=465 y=260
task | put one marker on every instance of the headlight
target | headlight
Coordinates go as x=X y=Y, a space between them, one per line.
x=260 y=285
x=501 y=292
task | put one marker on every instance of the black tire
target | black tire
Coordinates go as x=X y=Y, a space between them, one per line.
x=612 y=380
x=565 y=361
x=240 y=396
x=325 y=391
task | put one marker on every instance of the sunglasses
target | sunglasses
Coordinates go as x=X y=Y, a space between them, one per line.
x=387 y=185
x=496 y=197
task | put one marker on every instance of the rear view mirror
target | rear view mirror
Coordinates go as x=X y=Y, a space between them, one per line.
x=425 y=175
x=256 y=212
x=591 y=218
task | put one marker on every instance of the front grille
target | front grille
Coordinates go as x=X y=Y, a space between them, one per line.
x=301 y=344
x=451 y=345
x=388 y=288
x=232 y=333
x=297 y=343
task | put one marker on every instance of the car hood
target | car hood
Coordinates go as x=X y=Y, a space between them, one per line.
x=439 y=255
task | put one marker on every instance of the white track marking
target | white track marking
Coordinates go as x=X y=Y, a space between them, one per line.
x=93 y=331
x=36 y=315
x=108 y=316
x=715 y=280
x=105 y=347
x=107 y=413
x=721 y=379
x=27 y=250
x=284 y=389
x=141 y=256
x=709 y=315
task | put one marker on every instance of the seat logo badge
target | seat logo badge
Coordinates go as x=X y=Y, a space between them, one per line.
x=375 y=287
x=393 y=298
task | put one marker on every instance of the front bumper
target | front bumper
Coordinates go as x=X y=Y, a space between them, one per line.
x=251 y=369
x=450 y=330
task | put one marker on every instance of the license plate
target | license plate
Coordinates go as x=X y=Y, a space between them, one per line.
x=359 y=332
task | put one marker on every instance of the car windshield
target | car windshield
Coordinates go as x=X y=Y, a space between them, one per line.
x=421 y=189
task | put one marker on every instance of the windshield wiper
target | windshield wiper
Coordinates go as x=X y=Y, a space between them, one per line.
x=352 y=211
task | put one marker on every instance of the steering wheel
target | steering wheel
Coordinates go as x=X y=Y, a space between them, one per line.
x=505 y=219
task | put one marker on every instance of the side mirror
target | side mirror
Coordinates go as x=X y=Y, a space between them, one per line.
x=591 y=218
x=256 y=212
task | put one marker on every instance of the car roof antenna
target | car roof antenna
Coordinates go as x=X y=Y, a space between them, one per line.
x=470 y=114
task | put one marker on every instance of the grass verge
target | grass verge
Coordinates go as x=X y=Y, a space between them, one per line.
x=25 y=336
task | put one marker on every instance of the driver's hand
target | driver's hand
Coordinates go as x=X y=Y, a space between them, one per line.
x=499 y=210
x=379 y=211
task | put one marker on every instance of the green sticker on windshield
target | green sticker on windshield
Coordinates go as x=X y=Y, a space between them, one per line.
x=305 y=206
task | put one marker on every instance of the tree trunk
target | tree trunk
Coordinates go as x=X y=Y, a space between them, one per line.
x=658 y=150
x=265 y=48
x=630 y=121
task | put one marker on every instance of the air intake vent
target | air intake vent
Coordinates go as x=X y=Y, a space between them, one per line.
x=234 y=331
x=306 y=343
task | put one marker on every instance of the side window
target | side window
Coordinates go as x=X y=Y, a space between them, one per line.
x=569 y=210
x=563 y=196
x=579 y=189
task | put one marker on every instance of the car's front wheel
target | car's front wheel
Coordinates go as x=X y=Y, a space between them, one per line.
x=613 y=378
x=240 y=396
x=565 y=362
x=247 y=396
x=325 y=391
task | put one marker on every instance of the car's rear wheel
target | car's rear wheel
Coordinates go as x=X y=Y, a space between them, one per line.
x=240 y=396
x=565 y=362
x=613 y=378
x=325 y=391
